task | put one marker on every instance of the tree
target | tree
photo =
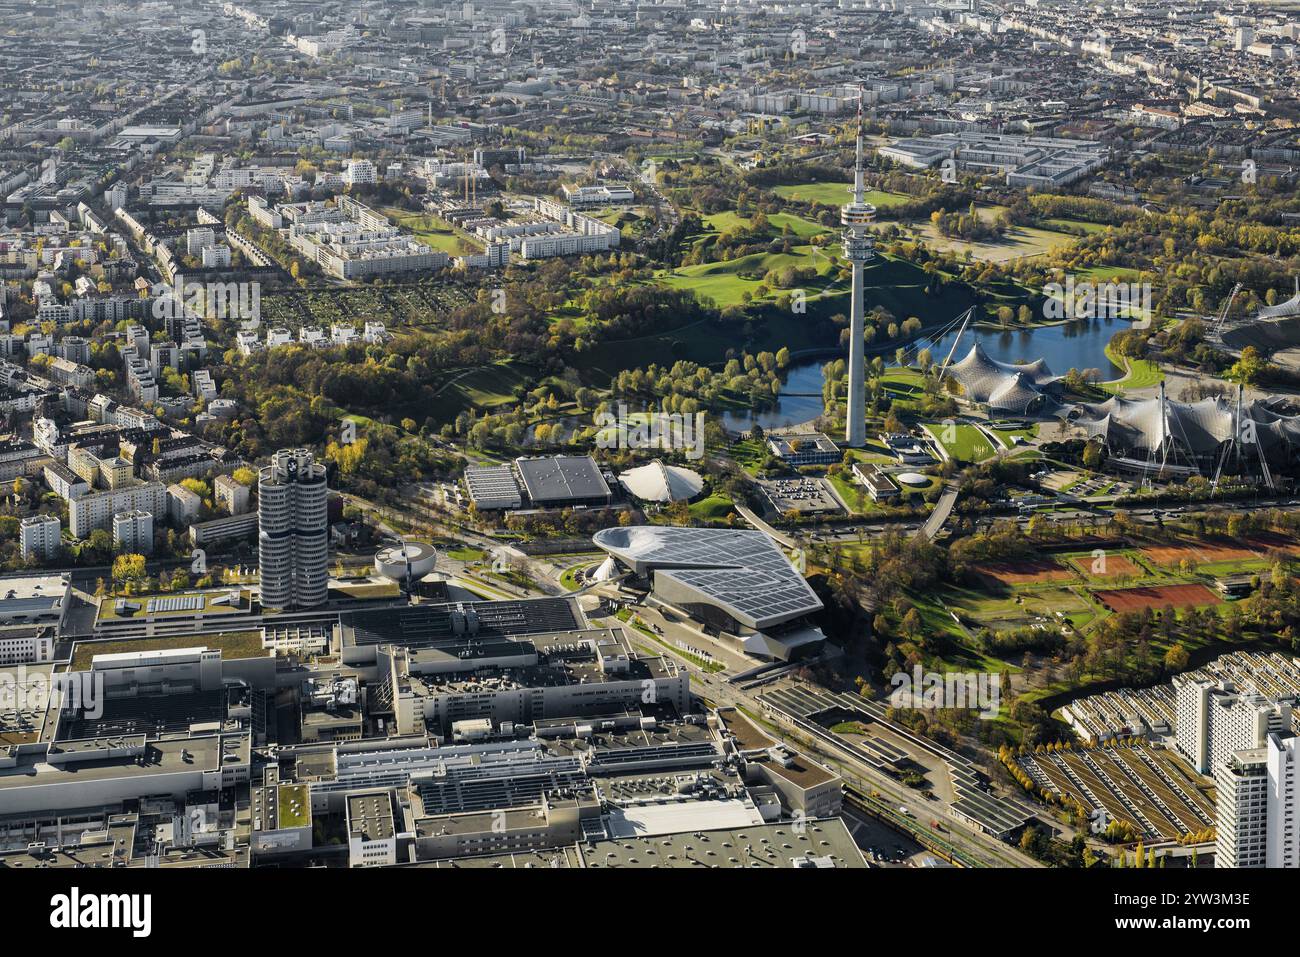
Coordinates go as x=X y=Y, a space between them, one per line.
x=128 y=568
x=1249 y=368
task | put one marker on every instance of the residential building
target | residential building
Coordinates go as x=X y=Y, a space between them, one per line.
x=230 y=495
x=95 y=510
x=1213 y=721
x=40 y=537
x=133 y=532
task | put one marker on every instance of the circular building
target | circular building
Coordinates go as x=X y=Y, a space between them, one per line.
x=414 y=558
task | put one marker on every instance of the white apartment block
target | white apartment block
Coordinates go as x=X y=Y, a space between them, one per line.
x=572 y=234
x=139 y=377
x=360 y=173
x=1241 y=810
x=216 y=257
x=1257 y=809
x=199 y=239
x=1283 y=808
x=183 y=506
x=602 y=195
x=95 y=510
x=133 y=532
x=40 y=537
x=494 y=254
x=204 y=387
x=230 y=495
x=1213 y=722
x=352 y=241
x=263 y=214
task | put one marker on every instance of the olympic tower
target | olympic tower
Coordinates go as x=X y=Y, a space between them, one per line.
x=859 y=248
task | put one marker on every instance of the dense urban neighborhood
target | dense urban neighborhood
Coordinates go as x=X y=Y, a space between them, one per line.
x=587 y=434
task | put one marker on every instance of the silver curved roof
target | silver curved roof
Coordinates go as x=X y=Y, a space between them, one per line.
x=1282 y=310
x=1000 y=385
x=742 y=572
x=1201 y=427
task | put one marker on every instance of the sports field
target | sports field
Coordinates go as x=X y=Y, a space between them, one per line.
x=1109 y=566
x=1025 y=572
x=1212 y=554
x=962 y=442
x=1192 y=594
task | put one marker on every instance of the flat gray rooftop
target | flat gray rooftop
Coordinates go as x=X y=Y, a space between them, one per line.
x=562 y=478
x=780 y=844
x=370 y=816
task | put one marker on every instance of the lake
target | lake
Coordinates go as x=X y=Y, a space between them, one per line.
x=1080 y=345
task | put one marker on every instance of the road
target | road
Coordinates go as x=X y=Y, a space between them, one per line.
x=750 y=516
x=942 y=509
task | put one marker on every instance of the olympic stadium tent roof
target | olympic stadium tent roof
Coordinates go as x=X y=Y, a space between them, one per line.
x=1273 y=328
x=1001 y=385
x=657 y=482
x=1282 y=310
x=738 y=572
x=1198 y=429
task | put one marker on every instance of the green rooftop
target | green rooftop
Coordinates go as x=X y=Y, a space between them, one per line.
x=294 y=804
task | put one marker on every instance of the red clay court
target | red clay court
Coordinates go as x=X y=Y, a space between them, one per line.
x=1117 y=566
x=1200 y=553
x=1157 y=597
x=1029 y=571
x=1221 y=549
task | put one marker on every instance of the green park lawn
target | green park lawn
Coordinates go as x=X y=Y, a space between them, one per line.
x=731 y=222
x=433 y=231
x=727 y=282
x=1139 y=373
x=836 y=194
x=967 y=443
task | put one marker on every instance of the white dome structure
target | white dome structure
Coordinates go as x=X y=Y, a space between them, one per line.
x=415 y=558
x=658 y=482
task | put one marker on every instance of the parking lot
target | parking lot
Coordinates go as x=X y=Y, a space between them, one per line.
x=803 y=495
